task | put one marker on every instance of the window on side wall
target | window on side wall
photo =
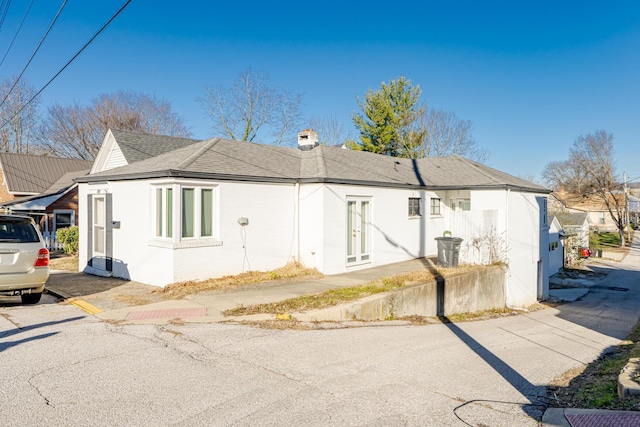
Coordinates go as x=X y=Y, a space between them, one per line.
x=601 y=217
x=193 y=205
x=414 y=207
x=435 y=206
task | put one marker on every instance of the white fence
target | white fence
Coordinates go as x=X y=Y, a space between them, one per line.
x=51 y=242
x=481 y=243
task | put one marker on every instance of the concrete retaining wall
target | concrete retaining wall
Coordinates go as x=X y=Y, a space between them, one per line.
x=465 y=293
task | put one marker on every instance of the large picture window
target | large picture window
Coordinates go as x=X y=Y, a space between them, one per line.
x=193 y=207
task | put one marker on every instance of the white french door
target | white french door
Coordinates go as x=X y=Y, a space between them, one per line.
x=358 y=230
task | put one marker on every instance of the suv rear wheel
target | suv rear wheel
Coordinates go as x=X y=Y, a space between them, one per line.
x=30 y=298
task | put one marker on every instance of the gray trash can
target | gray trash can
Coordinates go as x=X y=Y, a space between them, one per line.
x=448 y=251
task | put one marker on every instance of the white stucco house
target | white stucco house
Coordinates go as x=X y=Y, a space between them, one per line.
x=160 y=210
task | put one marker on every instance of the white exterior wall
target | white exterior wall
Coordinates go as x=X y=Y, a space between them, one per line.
x=519 y=226
x=556 y=256
x=269 y=237
x=394 y=236
x=133 y=258
x=312 y=226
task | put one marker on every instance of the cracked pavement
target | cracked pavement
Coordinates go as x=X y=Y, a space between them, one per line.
x=64 y=367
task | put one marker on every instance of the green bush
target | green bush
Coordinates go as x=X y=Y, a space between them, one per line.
x=68 y=237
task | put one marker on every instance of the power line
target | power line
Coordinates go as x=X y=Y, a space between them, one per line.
x=67 y=64
x=5 y=11
x=17 y=32
x=15 y=83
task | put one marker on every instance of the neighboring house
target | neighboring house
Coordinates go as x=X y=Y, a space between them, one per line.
x=56 y=207
x=42 y=187
x=556 y=245
x=220 y=207
x=634 y=209
x=599 y=217
x=576 y=226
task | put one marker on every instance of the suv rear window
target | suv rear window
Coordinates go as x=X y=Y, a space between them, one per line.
x=17 y=230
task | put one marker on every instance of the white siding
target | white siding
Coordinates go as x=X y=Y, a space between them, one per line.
x=267 y=242
x=308 y=222
x=115 y=158
x=556 y=248
x=395 y=236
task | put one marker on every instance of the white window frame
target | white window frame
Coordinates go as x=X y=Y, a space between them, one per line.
x=176 y=240
x=419 y=213
x=432 y=206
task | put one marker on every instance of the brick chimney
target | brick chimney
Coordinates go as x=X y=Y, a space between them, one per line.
x=307 y=139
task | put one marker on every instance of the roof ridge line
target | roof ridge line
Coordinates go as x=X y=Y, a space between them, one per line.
x=477 y=167
x=196 y=154
x=321 y=162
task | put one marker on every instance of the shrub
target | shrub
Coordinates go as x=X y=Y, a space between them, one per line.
x=68 y=237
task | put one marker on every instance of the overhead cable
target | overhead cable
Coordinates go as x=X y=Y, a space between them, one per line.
x=15 y=83
x=16 y=34
x=3 y=10
x=66 y=65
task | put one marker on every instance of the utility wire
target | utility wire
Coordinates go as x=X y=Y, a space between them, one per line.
x=67 y=64
x=15 y=83
x=5 y=11
x=16 y=35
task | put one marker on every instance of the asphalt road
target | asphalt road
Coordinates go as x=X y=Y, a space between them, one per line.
x=64 y=367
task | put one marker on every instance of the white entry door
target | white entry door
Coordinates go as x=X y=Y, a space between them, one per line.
x=99 y=234
x=358 y=230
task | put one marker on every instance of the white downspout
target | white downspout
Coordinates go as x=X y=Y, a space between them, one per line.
x=508 y=243
x=297 y=221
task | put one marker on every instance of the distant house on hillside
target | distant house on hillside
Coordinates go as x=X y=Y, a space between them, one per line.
x=599 y=217
x=634 y=209
x=42 y=187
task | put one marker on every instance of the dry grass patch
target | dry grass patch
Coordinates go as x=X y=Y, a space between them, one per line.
x=342 y=295
x=63 y=262
x=291 y=271
x=596 y=385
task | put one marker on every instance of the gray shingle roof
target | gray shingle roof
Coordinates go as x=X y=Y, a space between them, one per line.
x=224 y=159
x=573 y=218
x=35 y=174
x=137 y=146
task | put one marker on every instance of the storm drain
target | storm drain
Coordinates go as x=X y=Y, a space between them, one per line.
x=604 y=419
x=172 y=313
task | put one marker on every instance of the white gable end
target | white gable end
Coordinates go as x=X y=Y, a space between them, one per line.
x=115 y=159
x=109 y=156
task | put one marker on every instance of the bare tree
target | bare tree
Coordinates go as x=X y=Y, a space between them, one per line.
x=251 y=105
x=590 y=171
x=330 y=130
x=18 y=120
x=446 y=134
x=137 y=112
x=70 y=132
x=76 y=131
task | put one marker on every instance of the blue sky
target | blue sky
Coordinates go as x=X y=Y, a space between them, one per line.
x=531 y=76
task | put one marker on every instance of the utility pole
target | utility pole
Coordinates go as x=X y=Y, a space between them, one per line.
x=626 y=206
